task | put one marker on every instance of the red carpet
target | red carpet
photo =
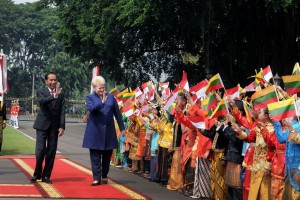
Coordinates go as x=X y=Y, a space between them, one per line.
x=19 y=190
x=71 y=180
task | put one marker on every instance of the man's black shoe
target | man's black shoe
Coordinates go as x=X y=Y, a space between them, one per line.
x=34 y=179
x=47 y=180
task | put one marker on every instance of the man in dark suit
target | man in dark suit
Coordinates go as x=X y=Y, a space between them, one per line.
x=49 y=125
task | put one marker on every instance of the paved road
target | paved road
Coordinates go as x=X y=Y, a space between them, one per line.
x=70 y=146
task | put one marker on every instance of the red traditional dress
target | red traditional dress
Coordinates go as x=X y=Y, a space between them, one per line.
x=276 y=155
x=248 y=158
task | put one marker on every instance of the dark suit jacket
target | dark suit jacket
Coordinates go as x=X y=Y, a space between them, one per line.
x=234 y=145
x=49 y=114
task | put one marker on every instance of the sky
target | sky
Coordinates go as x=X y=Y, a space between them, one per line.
x=23 y=1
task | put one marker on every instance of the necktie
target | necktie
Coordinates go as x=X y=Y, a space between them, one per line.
x=53 y=102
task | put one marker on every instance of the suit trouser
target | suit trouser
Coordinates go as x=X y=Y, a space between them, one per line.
x=46 y=145
x=100 y=169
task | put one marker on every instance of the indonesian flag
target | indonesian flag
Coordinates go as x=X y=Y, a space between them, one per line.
x=166 y=93
x=95 y=72
x=163 y=86
x=142 y=98
x=198 y=122
x=184 y=82
x=171 y=99
x=234 y=93
x=267 y=73
x=199 y=89
x=128 y=110
x=137 y=92
x=145 y=86
x=250 y=88
x=145 y=107
x=151 y=94
x=4 y=59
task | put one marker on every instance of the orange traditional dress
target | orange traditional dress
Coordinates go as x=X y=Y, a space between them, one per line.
x=276 y=155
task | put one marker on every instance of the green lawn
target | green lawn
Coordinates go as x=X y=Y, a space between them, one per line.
x=15 y=143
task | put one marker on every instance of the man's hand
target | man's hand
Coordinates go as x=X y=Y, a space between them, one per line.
x=58 y=89
x=60 y=132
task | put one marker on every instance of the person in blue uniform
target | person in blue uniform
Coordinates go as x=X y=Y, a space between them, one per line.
x=100 y=134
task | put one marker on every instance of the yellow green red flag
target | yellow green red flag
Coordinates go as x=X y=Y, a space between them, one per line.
x=214 y=83
x=291 y=83
x=262 y=98
x=282 y=109
x=220 y=110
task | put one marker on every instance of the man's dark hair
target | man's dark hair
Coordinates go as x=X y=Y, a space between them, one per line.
x=46 y=76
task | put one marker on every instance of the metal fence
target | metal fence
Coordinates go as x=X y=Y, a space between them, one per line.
x=29 y=107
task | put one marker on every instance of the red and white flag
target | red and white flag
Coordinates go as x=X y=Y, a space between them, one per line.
x=166 y=93
x=128 y=110
x=145 y=107
x=142 y=98
x=198 y=122
x=234 y=92
x=95 y=72
x=184 y=82
x=151 y=94
x=163 y=86
x=199 y=89
x=145 y=86
x=171 y=99
x=137 y=92
x=267 y=73
x=250 y=88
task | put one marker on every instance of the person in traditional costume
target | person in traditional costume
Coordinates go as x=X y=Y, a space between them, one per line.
x=200 y=154
x=288 y=131
x=164 y=158
x=219 y=145
x=176 y=179
x=275 y=155
x=246 y=124
x=233 y=158
x=260 y=177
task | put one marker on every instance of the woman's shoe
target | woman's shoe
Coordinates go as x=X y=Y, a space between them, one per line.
x=104 y=180
x=95 y=183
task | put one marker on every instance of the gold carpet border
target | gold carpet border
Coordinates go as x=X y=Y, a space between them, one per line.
x=49 y=188
x=20 y=195
x=8 y=184
x=112 y=183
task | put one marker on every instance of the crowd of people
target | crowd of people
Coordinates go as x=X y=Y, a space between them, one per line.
x=236 y=156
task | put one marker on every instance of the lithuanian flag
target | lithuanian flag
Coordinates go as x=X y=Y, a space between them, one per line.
x=296 y=69
x=262 y=98
x=114 y=91
x=292 y=83
x=214 y=83
x=210 y=101
x=122 y=92
x=221 y=110
x=282 y=109
x=128 y=95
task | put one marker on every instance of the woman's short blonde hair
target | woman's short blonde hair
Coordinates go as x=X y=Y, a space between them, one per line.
x=98 y=80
